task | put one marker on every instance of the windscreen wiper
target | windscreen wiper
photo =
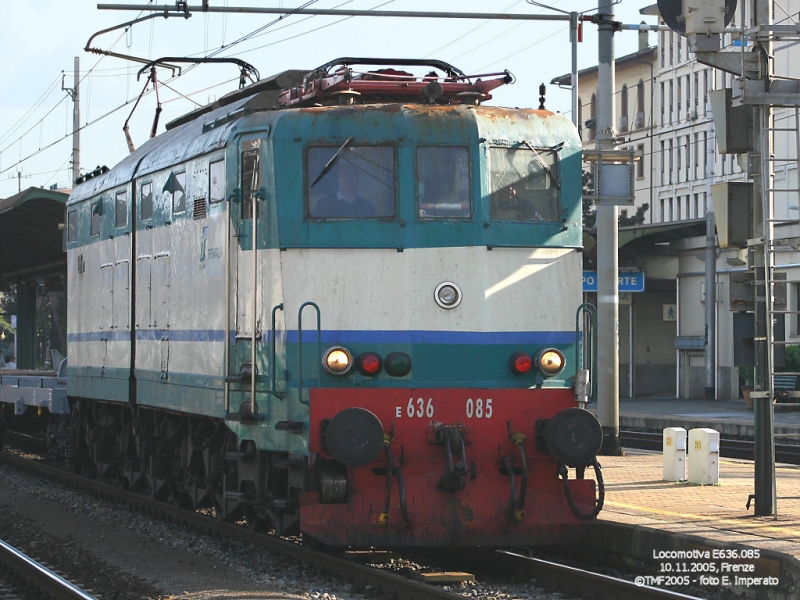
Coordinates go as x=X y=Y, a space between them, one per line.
x=329 y=165
x=545 y=168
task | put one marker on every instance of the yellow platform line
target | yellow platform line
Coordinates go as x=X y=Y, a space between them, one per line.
x=764 y=527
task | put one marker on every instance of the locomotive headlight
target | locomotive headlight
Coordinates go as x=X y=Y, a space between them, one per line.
x=337 y=360
x=550 y=361
x=447 y=295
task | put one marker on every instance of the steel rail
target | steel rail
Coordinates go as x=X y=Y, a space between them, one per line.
x=589 y=582
x=384 y=582
x=729 y=448
x=39 y=576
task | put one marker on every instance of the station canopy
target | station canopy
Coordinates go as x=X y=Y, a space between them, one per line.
x=31 y=242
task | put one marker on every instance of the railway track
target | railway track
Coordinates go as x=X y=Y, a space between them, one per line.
x=728 y=448
x=37 y=577
x=383 y=582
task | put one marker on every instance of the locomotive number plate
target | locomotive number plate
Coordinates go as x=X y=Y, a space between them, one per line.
x=474 y=408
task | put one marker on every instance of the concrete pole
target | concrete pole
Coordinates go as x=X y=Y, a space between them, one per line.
x=76 y=122
x=711 y=304
x=573 y=38
x=763 y=434
x=607 y=258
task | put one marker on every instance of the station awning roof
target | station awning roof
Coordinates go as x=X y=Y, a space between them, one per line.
x=30 y=240
x=638 y=237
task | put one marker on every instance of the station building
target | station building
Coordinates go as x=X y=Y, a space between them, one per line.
x=664 y=113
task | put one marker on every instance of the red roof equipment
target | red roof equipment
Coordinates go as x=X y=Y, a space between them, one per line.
x=337 y=82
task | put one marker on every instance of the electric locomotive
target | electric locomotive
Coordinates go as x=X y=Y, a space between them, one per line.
x=342 y=303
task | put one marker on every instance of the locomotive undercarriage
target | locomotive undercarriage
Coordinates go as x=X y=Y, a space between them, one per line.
x=187 y=460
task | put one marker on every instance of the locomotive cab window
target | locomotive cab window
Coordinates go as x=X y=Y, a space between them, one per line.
x=97 y=215
x=121 y=212
x=523 y=184
x=443 y=182
x=250 y=178
x=147 y=201
x=72 y=226
x=350 y=182
x=216 y=182
x=176 y=185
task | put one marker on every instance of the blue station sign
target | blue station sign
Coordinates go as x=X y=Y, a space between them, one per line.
x=630 y=281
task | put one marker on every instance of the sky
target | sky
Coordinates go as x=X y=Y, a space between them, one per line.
x=39 y=40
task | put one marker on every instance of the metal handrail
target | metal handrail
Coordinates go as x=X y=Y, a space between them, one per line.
x=590 y=356
x=300 y=348
x=274 y=389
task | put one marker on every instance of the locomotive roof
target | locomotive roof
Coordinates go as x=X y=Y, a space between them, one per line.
x=211 y=130
x=188 y=136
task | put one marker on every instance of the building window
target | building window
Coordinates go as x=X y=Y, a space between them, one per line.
x=696 y=155
x=705 y=91
x=688 y=162
x=796 y=298
x=663 y=46
x=639 y=121
x=663 y=104
x=678 y=99
x=640 y=162
x=593 y=117
x=705 y=154
x=680 y=48
x=671 y=47
x=678 y=159
x=696 y=91
x=623 y=103
x=671 y=100
x=671 y=164
x=688 y=99
x=662 y=210
x=696 y=208
x=661 y=161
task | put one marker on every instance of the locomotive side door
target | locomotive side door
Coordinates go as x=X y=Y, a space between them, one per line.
x=244 y=281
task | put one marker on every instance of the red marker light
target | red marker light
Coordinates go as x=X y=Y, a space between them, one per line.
x=520 y=363
x=369 y=363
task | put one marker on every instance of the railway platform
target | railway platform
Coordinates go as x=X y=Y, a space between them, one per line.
x=705 y=533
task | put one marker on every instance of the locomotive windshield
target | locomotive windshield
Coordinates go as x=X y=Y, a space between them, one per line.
x=523 y=184
x=359 y=184
x=443 y=182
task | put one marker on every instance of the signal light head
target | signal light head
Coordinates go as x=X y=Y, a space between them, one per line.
x=337 y=360
x=369 y=363
x=397 y=364
x=520 y=362
x=550 y=362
